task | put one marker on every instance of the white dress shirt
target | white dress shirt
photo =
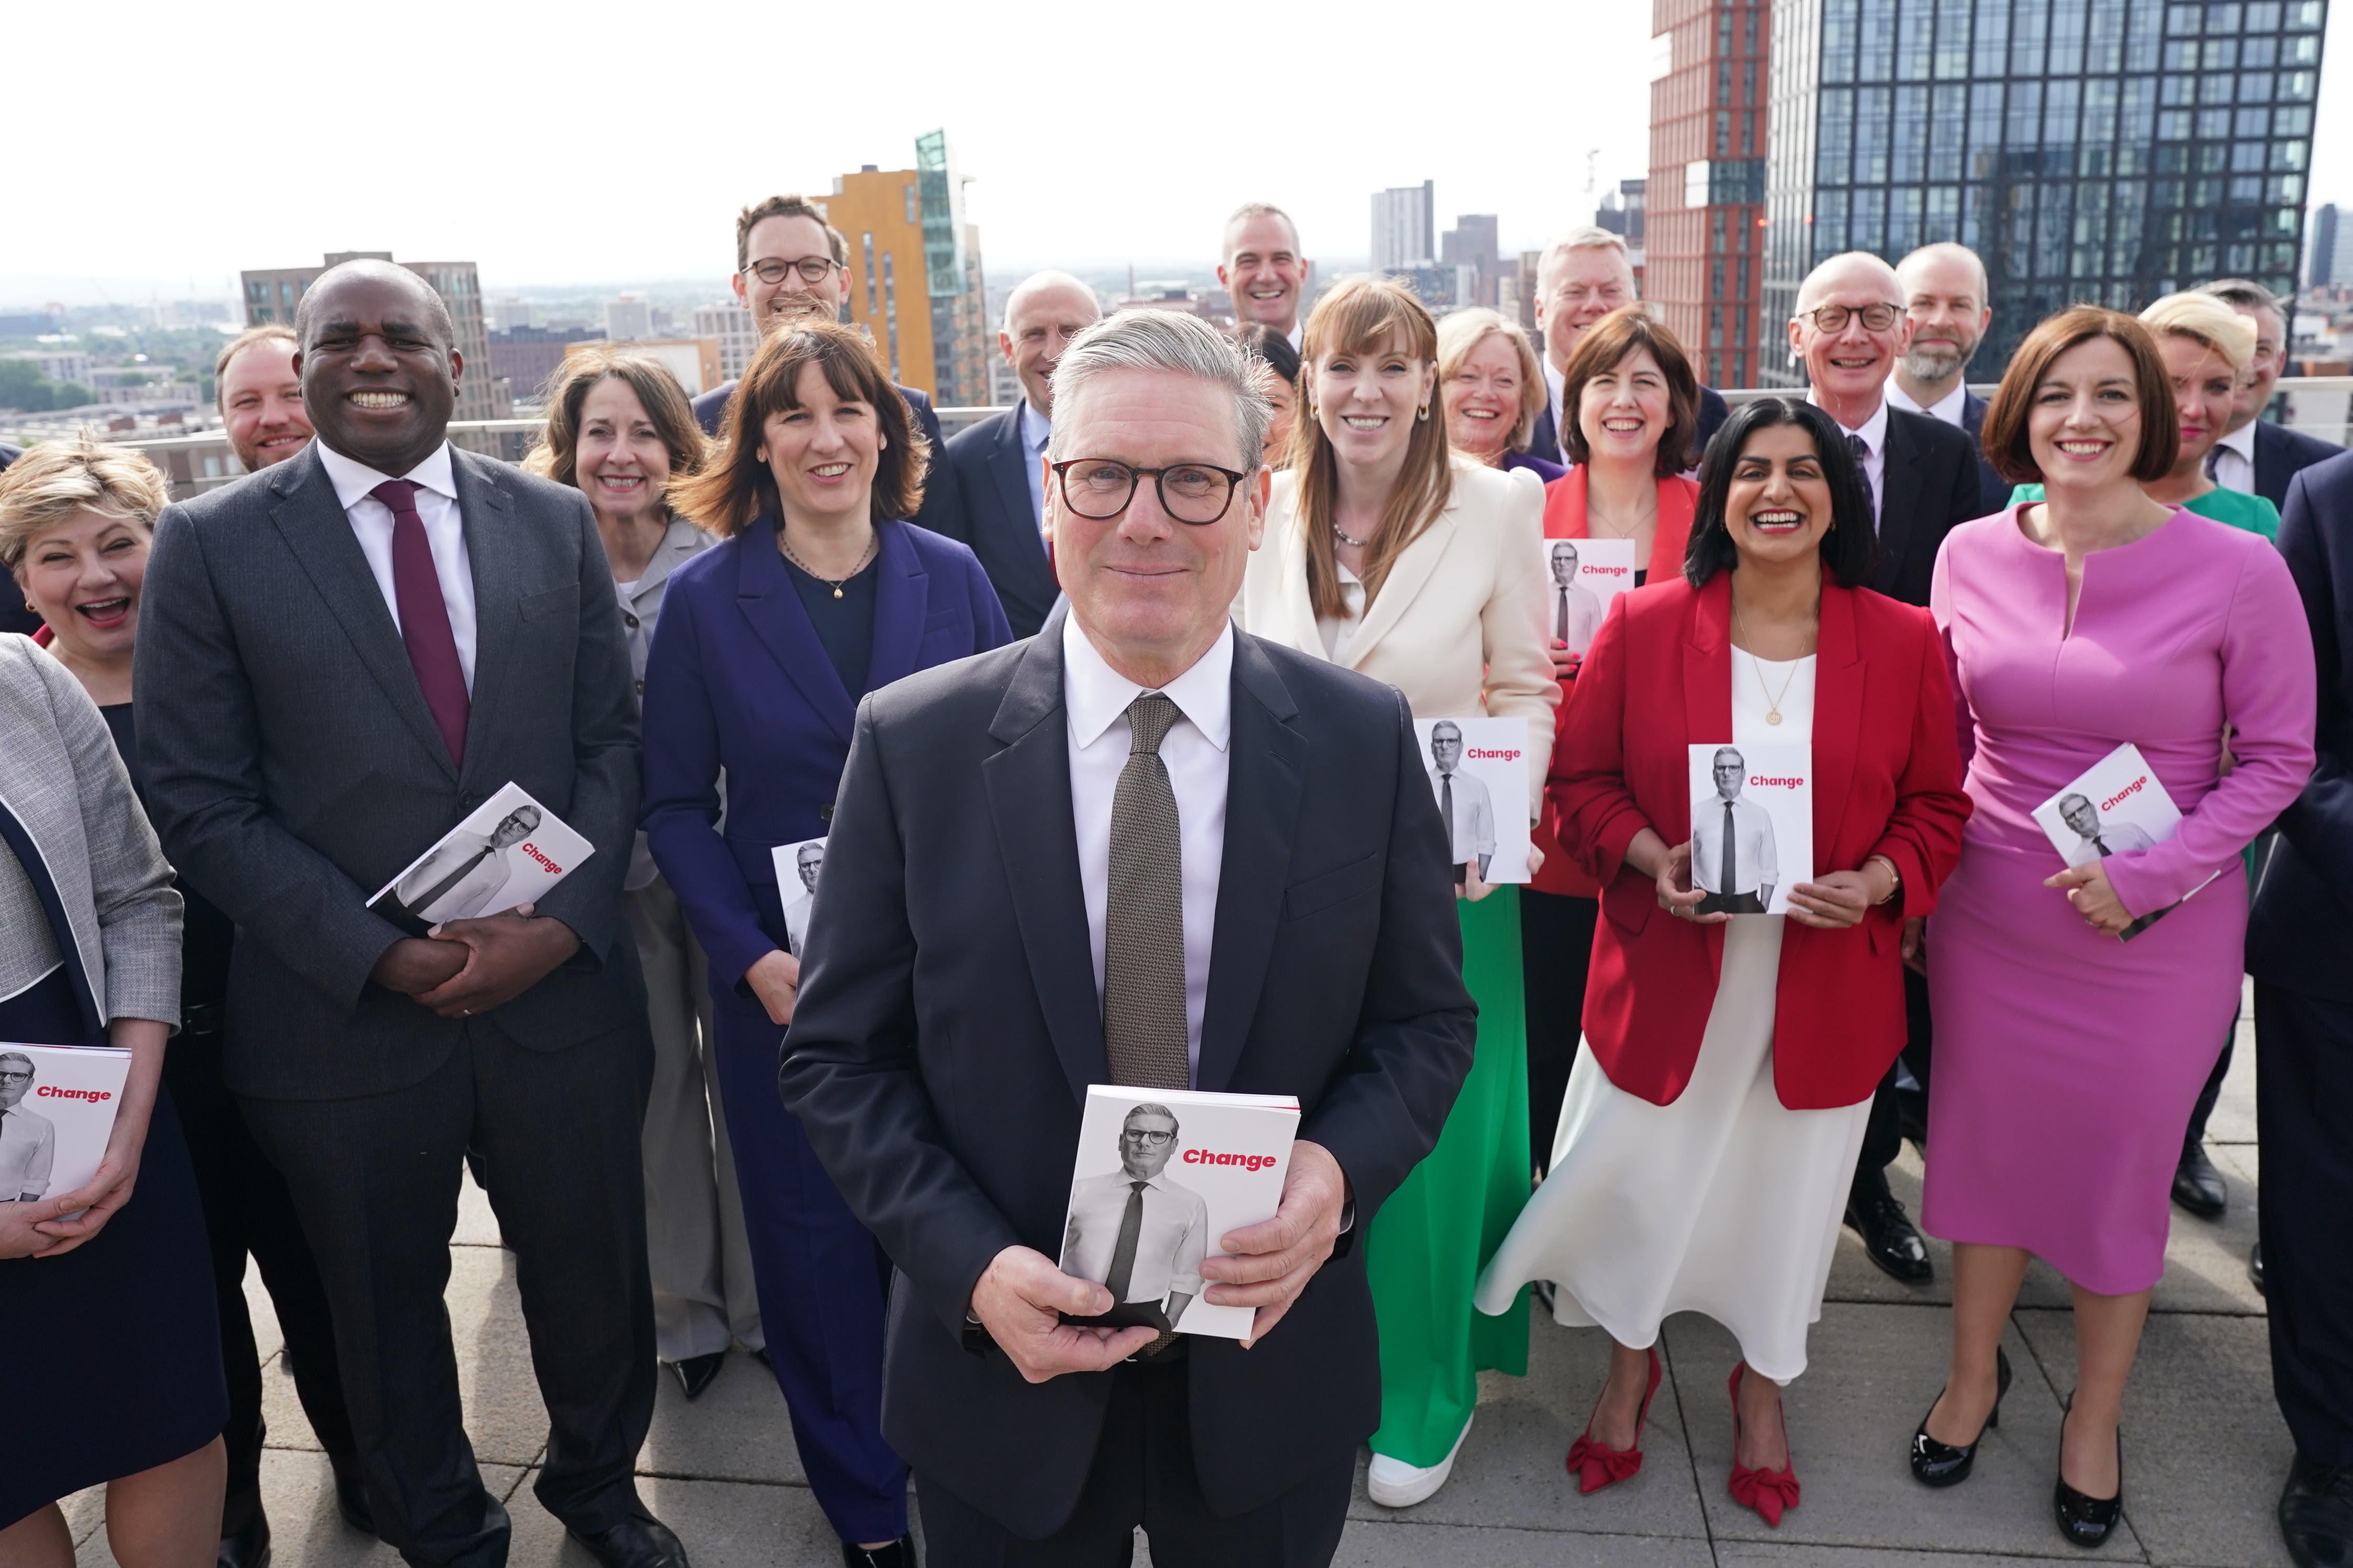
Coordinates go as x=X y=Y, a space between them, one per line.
x=1035 y=429
x=1170 y=1241
x=28 y=1146
x=1095 y=699
x=1755 y=863
x=1952 y=408
x=1471 y=832
x=1874 y=432
x=437 y=508
x=2233 y=460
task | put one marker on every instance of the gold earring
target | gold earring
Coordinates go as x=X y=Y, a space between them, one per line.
x=1423 y=414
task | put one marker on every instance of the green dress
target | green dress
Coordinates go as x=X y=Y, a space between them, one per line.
x=2255 y=514
x=1437 y=1230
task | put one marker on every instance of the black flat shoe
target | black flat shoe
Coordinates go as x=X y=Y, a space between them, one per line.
x=696 y=1372
x=900 y=1554
x=2087 y=1522
x=2316 y=1515
x=2198 y=1186
x=1889 y=1240
x=640 y=1541
x=1935 y=1464
x=351 y=1496
x=249 y=1547
x=2255 y=1267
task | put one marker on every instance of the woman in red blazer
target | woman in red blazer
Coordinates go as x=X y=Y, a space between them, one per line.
x=1710 y=1129
x=1632 y=418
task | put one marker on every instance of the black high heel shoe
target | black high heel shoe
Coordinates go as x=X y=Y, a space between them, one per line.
x=1935 y=1464
x=2087 y=1521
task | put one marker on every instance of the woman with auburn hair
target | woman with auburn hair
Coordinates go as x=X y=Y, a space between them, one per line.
x=1494 y=390
x=2068 y=1057
x=819 y=593
x=1386 y=554
x=619 y=429
x=1712 y=1121
x=1633 y=410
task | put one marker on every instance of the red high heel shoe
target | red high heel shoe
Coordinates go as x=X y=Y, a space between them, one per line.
x=1769 y=1493
x=1596 y=1465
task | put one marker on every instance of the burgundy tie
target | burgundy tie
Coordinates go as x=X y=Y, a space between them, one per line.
x=425 y=617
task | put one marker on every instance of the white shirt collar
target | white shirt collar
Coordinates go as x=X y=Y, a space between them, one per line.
x=352 y=480
x=1950 y=408
x=1097 y=695
x=1555 y=387
x=2241 y=441
x=1035 y=429
x=1873 y=430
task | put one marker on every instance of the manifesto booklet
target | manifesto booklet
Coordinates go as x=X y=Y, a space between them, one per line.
x=797 y=868
x=2113 y=807
x=57 y=1110
x=510 y=850
x=1478 y=771
x=1580 y=577
x=1752 y=825
x=1162 y=1175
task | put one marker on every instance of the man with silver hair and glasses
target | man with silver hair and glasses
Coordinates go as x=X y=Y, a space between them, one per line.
x=1144 y=848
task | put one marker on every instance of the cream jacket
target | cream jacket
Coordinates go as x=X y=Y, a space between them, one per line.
x=1459 y=627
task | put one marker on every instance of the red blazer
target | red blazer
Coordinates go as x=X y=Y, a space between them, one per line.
x=1563 y=518
x=1887 y=781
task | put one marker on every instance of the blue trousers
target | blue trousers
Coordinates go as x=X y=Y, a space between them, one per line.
x=822 y=1282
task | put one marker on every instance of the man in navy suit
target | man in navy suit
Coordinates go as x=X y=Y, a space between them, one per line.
x=1944 y=289
x=2255 y=455
x=1586 y=274
x=998 y=464
x=790 y=263
x=2301 y=928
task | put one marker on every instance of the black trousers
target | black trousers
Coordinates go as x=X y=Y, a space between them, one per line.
x=1144 y=1477
x=248 y=1211
x=1555 y=954
x=2304 y=1111
x=1883 y=1135
x=376 y=1181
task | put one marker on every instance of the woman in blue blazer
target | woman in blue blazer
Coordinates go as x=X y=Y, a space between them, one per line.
x=819 y=594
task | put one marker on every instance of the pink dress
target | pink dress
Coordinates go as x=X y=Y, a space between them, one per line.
x=2066 y=1062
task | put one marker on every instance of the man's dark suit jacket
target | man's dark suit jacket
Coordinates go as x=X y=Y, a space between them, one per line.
x=2302 y=925
x=948 y=1027
x=992 y=480
x=1543 y=441
x=1929 y=485
x=294 y=767
x=1993 y=491
x=2281 y=454
x=939 y=512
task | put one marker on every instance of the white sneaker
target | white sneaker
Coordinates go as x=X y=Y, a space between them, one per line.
x=1393 y=1483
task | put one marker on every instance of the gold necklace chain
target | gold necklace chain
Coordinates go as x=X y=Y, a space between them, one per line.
x=1756 y=665
x=873 y=542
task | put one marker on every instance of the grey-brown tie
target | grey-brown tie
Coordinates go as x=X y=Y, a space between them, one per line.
x=1143 y=918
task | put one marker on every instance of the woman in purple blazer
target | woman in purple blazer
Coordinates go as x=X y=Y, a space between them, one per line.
x=817 y=596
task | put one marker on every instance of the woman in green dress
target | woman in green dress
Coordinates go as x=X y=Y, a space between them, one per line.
x=1386 y=554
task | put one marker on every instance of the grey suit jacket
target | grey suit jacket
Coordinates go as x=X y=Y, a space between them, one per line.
x=62 y=783
x=293 y=768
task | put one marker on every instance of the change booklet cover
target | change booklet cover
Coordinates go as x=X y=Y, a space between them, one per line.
x=1580 y=577
x=1477 y=772
x=1161 y=1176
x=1752 y=825
x=57 y=1110
x=2114 y=806
x=510 y=850
x=797 y=868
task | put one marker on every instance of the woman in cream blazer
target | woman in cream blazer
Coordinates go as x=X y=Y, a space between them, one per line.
x=1386 y=556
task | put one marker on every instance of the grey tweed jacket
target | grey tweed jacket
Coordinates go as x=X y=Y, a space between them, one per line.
x=293 y=768
x=60 y=779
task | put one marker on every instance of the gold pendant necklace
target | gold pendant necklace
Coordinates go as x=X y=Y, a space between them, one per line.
x=872 y=543
x=1772 y=704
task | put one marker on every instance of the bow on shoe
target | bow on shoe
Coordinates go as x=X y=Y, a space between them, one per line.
x=1769 y=1493
x=1596 y=1465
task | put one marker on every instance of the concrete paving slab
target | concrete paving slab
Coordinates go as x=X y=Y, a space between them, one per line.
x=737 y=1431
x=1368 y=1544
x=1511 y=1474
x=2205 y=1450
x=85 y=1512
x=477 y=1225
x=1872 y=1377
x=1764 y=1554
x=1855 y=1278
x=722 y=1525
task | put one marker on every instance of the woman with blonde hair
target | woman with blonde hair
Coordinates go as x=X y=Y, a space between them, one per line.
x=1387 y=553
x=1494 y=390
x=620 y=430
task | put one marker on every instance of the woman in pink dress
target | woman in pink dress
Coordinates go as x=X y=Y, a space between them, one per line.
x=2067 y=1059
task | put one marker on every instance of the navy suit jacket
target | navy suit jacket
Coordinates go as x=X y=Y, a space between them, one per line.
x=1993 y=491
x=1543 y=441
x=2281 y=454
x=948 y=1026
x=2302 y=925
x=737 y=680
x=1929 y=485
x=992 y=480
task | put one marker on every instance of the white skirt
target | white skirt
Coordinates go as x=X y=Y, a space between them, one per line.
x=1726 y=1203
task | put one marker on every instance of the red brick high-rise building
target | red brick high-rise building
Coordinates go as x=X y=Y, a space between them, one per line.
x=1705 y=240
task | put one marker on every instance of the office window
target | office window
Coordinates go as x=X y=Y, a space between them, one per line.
x=1990 y=39
x=2028 y=30
x=1871 y=125
x=2182 y=21
x=1867 y=219
x=1875 y=56
x=2259 y=52
x=2220 y=54
x=2247 y=157
x=1905 y=208
x=1947 y=136
x=872 y=304
x=2287 y=154
x=1909 y=152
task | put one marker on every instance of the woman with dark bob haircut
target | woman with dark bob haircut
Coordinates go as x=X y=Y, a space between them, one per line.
x=819 y=593
x=2068 y=1057
x=1712 y=1120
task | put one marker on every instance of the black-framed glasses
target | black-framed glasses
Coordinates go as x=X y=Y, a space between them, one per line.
x=1148 y=1136
x=1099 y=488
x=812 y=268
x=1877 y=316
x=10 y=1075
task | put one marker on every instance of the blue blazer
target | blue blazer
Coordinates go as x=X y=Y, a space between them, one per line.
x=992 y=476
x=2302 y=923
x=737 y=680
x=1993 y=491
x=2281 y=454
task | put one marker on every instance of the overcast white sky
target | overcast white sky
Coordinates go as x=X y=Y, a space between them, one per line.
x=595 y=143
